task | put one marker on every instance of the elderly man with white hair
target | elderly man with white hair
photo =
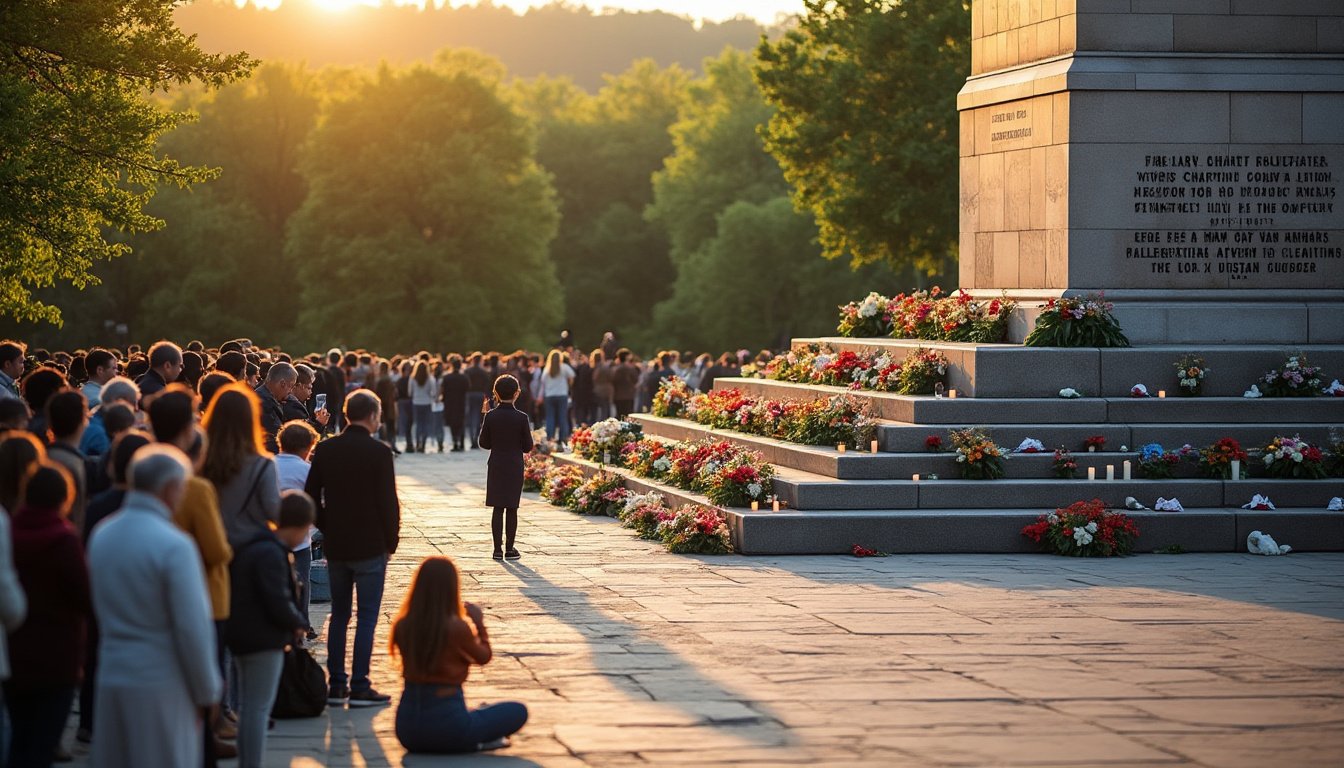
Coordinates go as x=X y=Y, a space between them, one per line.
x=157 y=673
x=274 y=391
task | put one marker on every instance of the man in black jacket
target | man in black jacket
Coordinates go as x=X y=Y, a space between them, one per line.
x=165 y=365
x=354 y=485
x=478 y=384
x=335 y=381
x=277 y=388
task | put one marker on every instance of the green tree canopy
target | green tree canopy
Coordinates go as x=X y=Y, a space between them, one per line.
x=78 y=134
x=866 y=124
x=427 y=220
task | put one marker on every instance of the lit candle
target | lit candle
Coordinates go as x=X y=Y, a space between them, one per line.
x=1236 y=469
x=874 y=446
x=1161 y=393
x=776 y=505
x=1128 y=466
x=1091 y=473
x=951 y=394
x=914 y=478
x=755 y=506
x=1110 y=471
x=840 y=447
x=1091 y=449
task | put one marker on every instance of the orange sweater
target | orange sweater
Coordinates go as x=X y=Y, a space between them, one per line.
x=199 y=517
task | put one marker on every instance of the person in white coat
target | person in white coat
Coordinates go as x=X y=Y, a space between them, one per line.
x=157 y=671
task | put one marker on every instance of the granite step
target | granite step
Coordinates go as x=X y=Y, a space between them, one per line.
x=898 y=437
x=926 y=409
x=1011 y=370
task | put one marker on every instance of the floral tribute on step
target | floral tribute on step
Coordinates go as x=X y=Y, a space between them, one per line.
x=1084 y=529
x=918 y=373
x=824 y=421
x=930 y=315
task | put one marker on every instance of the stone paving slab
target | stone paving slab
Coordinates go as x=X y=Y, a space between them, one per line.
x=630 y=656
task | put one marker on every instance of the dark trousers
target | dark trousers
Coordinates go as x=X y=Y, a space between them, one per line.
x=624 y=408
x=37 y=717
x=303 y=568
x=498 y=524
x=366 y=578
x=456 y=423
x=435 y=719
x=87 y=690
x=473 y=416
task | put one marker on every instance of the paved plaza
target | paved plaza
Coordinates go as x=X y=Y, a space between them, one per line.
x=628 y=655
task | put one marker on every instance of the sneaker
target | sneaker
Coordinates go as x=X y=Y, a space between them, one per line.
x=369 y=698
x=498 y=554
x=338 y=695
x=512 y=554
x=500 y=743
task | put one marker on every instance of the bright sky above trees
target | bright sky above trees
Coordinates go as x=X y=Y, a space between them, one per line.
x=763 y=11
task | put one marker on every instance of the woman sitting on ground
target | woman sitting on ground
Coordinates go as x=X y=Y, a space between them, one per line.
x=438 y=638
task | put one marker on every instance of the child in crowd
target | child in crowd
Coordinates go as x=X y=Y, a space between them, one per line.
x=264 y=619
x=296 y=439
x=507 y=433
x=438 y=638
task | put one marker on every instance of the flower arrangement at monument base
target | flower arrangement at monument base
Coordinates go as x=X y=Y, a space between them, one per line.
x=930 y=315
x=1084 y=321
x=560 y=483
x=1216 y=460
x=1190 y=373
x=921 y=371
x=1064 y=466
x=535 y=467
x=933 y=443
x=1094 y=443
x=977 y=455
x=870 y=317
x=671 y=398
x=695 y=530
x=603 y=493
x=1159 y=464
x=1084 y=529
x=870 y=371
x=643 y=512
x=824 y=421
x=603 y=441
x=737 y=482
x=1293 y=457
x=1295 y=378
x=647 y=457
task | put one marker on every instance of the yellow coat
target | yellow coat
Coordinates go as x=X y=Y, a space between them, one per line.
x=199 y=517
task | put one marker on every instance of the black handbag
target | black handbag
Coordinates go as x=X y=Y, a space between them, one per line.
x=303 y=687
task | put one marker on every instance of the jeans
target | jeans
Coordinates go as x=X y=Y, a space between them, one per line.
x=366 y=577
x=404 y=422
x=37 y=719
x=424 y=424
x=303 y=568
x=474 y=402
x=434 y=718
x=258 y=679
x=557 y=417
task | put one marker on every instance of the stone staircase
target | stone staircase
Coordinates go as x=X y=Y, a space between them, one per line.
x=833 y=501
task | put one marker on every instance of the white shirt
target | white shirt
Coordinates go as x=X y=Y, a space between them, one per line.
x=557 y=386
x=293 y=474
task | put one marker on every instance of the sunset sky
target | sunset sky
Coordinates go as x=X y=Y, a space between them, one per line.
x=764 y=11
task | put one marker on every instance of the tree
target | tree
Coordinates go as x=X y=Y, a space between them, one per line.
x=866 y=125
x=427 y=220
x=78 y=135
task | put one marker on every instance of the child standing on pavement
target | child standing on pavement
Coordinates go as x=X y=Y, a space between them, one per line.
x=507 y=433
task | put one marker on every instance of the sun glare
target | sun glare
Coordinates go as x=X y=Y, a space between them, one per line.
x=337 y=6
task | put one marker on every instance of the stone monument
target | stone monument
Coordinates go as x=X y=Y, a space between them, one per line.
x=1185 y=156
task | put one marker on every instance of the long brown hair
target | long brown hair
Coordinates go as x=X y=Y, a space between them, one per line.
x=421 y=374
x=554 y=363
x=20 y=452
x=421 y=628
x=233 y=431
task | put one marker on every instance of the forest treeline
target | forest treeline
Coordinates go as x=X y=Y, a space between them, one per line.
x=558 y=39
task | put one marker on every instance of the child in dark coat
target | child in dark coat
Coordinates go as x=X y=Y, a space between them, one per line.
x=507 y=433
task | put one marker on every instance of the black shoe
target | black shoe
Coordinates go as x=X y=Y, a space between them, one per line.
x=500 y=743
x=338 y=695
x=369 y=698
x=440 y=447
x=310 y=634
x=395 y=452
x=498 y=554
x=512 y=554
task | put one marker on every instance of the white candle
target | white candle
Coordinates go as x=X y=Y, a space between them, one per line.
x=840 y=447
x=1091 y=473
x=1091 y=449
x=874 y=446
x=1110 y=471
x=951 y=394
x=755 y=506
x=1128 y=466
x=606 y=457
x=914 y=478
x=776 y=505
x=1236 y=469
x=1161 y=393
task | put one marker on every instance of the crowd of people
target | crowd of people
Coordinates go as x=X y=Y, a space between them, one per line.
x=157 y=518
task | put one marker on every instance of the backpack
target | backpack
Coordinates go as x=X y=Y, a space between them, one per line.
x=303 y=687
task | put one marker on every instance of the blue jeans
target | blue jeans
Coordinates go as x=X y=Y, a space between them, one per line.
x=474 y=402
x=404 y=421
x=424 y=424
x=366 y=577
x=303 y=568
x=258 y=679
x=435 y=719
x=557 y=417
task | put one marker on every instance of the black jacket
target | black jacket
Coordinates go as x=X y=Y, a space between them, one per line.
x=272 y=417
x=507 y=432
x=354 y=485
x=150 y=382
x=454 y=391
x=478 y=379
x=263 y=612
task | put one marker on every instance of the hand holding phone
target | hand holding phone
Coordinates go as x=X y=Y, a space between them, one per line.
x=322 y=402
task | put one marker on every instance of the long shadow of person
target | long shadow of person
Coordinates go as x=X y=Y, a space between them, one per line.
x=646 y=669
